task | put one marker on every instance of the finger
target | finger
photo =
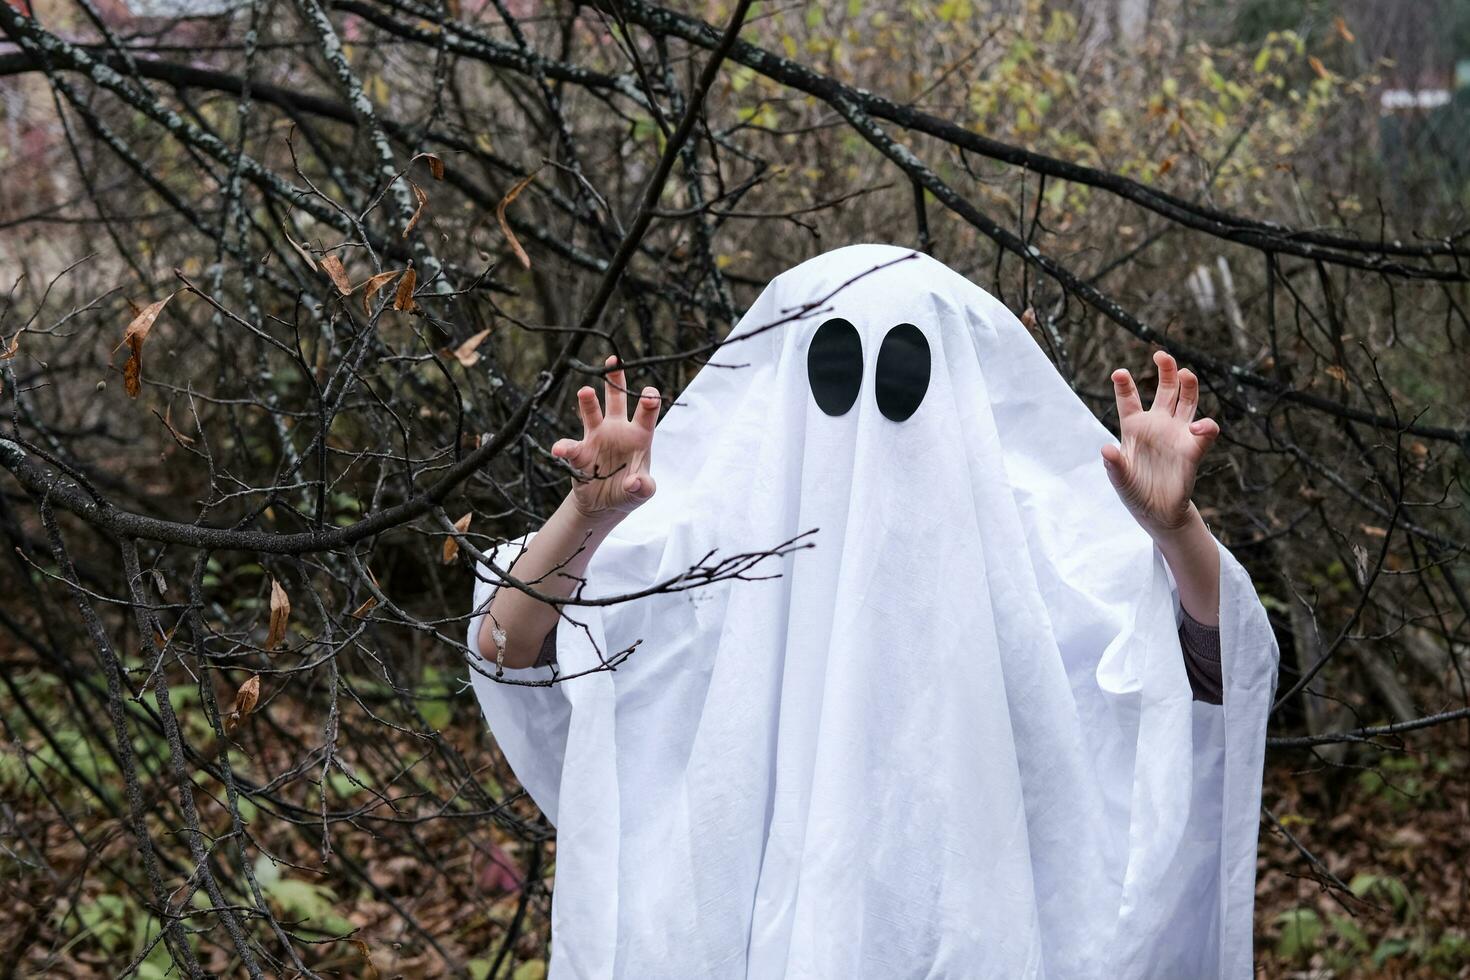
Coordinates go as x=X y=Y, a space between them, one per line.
x=616 y=390
x=1126 y=393
x=588 y=409
x=639 y=486
x=1168 y=389
x=646 y=414
x=569 y=450
x=1205 y=432
x=1115 y=465
x=1188 y=396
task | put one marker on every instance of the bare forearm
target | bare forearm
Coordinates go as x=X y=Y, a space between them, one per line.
x=553 y=564
x=1195 y=561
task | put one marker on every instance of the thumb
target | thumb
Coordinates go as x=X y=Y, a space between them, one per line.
x=1115 y=465
x=1205 y=432
x=639 y=486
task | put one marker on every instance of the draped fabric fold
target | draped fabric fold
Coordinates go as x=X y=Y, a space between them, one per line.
x=952 y=738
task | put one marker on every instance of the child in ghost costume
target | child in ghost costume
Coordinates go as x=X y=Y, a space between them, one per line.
x=945 y=727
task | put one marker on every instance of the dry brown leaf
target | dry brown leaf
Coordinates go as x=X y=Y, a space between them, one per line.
x=332 y=266
x=403 y=299
x=168 y=421
x=371 y=601
x=302 y=251
x=370 y=969
x=280 y=615
x=245 y=700
x=451 y=543
x=1168 y=163
x=505 y=202
x=11 y=349
x=372 y=286
x=133 y=374
x=467 y=353
x=418 y=212
x=143 y=321
x=1342 y=30
x=1318 y=67
x=436 y=165
x=1028 y=318
x=133 y=338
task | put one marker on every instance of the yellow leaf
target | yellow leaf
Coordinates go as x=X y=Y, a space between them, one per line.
x=530 y=970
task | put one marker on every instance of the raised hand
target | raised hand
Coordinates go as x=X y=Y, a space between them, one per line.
x=1154 y=468
x=611 y=459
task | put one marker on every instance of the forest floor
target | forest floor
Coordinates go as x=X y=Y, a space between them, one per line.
x=1389 y=898
x=1393 y=828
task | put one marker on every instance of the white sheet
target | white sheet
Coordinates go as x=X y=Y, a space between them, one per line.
x=953 y=739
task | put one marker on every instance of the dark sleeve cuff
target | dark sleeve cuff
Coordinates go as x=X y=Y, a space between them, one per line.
x=1201 y=646
x=547 y=656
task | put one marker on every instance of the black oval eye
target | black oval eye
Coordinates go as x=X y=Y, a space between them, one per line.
x=834 y=366
x=903 y=372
